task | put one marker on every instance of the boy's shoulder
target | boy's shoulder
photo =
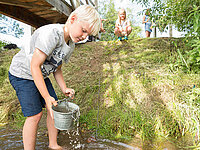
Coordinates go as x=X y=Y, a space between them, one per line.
x=50 y=30
x=50 y=27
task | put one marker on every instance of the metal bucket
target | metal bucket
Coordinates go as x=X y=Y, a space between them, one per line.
x=65 y=115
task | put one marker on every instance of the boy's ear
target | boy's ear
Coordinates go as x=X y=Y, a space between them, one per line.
x=73 y=18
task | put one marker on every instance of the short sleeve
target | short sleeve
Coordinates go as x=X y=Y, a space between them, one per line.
x=47 y=40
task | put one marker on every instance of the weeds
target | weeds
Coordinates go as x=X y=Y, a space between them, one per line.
x=143 y=91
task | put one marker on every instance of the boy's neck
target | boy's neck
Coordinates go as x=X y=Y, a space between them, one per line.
x=66 y=33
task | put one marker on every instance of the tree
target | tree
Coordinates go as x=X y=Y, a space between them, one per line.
x=181 y=13
x=185 y=15
x=10 y=26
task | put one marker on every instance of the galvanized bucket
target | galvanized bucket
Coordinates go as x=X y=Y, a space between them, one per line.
x=65 y=115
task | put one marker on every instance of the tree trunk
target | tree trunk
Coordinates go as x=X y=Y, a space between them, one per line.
x=170 y=30
x=155 y=32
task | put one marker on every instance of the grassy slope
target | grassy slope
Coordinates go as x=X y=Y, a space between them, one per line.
x=141 y=93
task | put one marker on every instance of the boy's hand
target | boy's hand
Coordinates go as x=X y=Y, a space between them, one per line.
x=49 y=102
x=70 y=92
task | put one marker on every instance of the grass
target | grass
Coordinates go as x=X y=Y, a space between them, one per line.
x=8 y=99
x=137 y=87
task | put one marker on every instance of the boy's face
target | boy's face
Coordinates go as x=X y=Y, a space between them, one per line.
x=79 y=30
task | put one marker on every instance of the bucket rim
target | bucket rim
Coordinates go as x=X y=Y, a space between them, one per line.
x=71 y=112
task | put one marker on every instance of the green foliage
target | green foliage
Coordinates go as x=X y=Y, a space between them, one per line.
x=194 y=42
x=188 y=58
x=19 y=118
x=3 y=74
x=2 y=44
x=195 y=96
x=185 y=15
x=194 y=55
x=108 y=12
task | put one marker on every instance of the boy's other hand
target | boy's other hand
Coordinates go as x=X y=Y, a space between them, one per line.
x=70 y=92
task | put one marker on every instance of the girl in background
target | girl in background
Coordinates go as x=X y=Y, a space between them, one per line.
x=148 y=23
x=123 y=26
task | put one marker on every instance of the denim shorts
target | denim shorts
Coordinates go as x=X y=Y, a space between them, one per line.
x=29 y=96
x=147 y=27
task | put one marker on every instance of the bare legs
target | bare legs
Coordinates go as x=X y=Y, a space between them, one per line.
x=30 y=132
x=117 y=32
x=52 y=132
x=148 y=33
x=128 y=30
x=120 y=33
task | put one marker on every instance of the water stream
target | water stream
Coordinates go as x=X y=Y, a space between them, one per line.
x=11 y=139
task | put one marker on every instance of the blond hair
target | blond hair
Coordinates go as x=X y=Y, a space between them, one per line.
x=123 y=11
x=88 y=14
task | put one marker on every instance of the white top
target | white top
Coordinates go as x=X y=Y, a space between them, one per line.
x=123 y=23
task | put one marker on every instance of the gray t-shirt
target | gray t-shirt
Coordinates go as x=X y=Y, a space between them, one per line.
x=50 y=40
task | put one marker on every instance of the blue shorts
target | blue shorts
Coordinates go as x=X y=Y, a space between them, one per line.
x=29 y=96
x=147 y=27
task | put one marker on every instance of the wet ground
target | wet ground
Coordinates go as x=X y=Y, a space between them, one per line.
x=11 y=139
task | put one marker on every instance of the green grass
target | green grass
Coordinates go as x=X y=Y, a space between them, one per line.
x=143 y=93
x=8 y=100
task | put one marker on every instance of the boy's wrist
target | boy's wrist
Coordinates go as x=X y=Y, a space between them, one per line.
x=47 y=97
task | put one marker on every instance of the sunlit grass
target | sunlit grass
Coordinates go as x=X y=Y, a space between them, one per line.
x=152 y=90
x=136 y=90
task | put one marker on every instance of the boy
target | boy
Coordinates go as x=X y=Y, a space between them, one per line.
x=29 y=70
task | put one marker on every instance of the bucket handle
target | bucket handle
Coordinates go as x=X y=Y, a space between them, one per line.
x=65 y=99
x=77 y=112
x=66 y=102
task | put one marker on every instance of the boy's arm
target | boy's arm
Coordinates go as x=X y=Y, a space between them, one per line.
x=58 y=75
x=38 y=59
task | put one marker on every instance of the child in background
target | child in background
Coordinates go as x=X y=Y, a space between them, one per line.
x=50 y=45
x=148 y=23
x=123 y=26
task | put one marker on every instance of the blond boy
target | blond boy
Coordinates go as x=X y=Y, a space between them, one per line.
x=50 y=45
